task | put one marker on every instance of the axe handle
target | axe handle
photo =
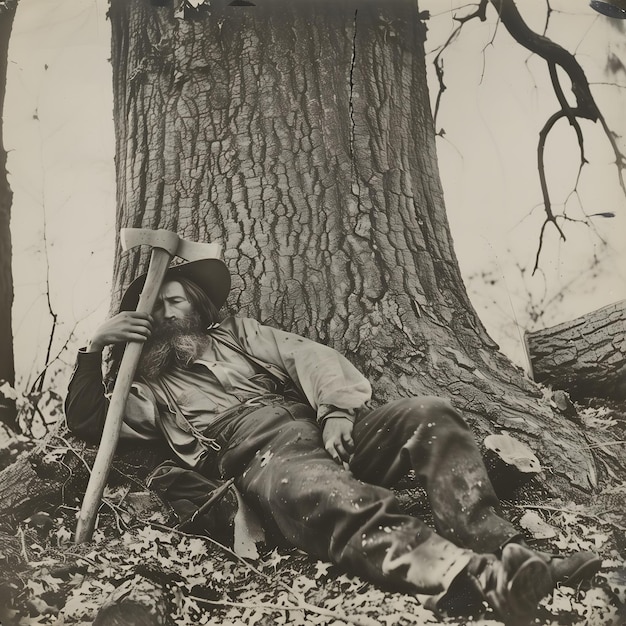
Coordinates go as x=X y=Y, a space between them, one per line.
x=159 y=262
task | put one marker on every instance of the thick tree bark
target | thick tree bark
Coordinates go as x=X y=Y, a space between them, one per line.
x=7 y=372
x=586 y=356
x=300 y=136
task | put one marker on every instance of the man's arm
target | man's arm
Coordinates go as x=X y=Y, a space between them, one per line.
x=332 y=385
x=86 y=403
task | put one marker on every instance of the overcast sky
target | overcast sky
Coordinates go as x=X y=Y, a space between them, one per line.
x=59 y=132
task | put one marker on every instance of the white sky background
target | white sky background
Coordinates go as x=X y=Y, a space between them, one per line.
x=59 y=133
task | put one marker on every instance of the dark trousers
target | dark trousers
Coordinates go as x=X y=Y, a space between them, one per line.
x=350 y=517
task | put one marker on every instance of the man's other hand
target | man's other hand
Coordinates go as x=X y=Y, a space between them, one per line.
x=337 y=437
x=123 y=327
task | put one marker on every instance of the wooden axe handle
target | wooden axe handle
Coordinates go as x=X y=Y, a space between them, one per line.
x=159 y=262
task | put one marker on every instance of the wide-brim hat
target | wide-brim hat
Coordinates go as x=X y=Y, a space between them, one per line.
x=211 y=275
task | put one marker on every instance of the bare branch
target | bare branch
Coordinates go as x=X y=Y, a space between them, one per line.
x=543 y=229
x=480 y=13
x=438 y=63
x=585 y=107
x=543 y=135
x=551 y=52
x=53 y=314
x=37 y=384
x=620 y=158
x=549 y=10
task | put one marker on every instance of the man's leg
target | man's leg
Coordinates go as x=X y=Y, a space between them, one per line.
x=428 y=436
x=187 y=490
x=299 y=491
x=281 y=468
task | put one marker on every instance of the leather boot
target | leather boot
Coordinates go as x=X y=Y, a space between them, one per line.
x=569 y=571
x=572 y=570
x=512 y=585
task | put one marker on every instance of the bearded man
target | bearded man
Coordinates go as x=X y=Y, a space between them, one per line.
x=289 y=421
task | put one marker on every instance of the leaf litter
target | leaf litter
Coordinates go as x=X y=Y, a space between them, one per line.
x=63 y=584
x=66 y=585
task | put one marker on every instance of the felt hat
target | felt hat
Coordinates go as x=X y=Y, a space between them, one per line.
x=211 y=275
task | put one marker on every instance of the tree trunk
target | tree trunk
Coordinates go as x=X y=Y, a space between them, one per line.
x=299 y=135
x=8 y=413
x=586 y=356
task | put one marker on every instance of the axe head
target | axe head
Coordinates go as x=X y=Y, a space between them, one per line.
x=170 y=242
x=205 y=268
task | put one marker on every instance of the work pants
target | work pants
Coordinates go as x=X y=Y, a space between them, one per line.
x=350 y=517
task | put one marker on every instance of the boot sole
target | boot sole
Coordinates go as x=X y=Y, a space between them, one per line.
x=531 y=583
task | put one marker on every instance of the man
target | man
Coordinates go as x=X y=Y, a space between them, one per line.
x=289 y=421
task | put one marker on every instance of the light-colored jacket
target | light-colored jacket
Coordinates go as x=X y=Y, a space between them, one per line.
x=230 y=371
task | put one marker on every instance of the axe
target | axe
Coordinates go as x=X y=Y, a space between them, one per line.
x=165 y=245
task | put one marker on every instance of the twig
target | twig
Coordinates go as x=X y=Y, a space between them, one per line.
x=608 y=443
x=86 y=559
x=358 y=620
x=232 y=553
x=438 y=65
x=549 y=10
x=37 y=384
x=620 y=158
x=479 y=13
x=69 y=448
x=23 y=542
x=554 y=509
x=216 y=495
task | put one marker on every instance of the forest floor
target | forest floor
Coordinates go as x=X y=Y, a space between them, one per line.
x=190 y=579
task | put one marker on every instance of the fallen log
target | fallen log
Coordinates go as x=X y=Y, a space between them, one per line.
x=55 y=474
x=585 y=357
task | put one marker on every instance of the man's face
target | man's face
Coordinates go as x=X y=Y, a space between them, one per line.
x=172 y=304
x=178 y=336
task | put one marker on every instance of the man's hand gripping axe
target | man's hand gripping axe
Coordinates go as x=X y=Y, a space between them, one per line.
x=165 y=245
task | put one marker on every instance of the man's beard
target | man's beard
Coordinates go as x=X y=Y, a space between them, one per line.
x=174 y=343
